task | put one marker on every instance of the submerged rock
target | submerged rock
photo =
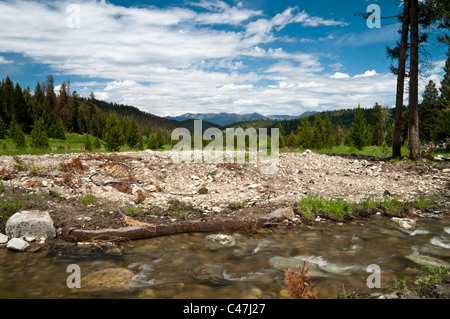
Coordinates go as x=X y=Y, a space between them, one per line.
x=283 y=263
x=405 y=223
x=111 y=278
x=217 y=241
x=427 y=261
x=211 y=273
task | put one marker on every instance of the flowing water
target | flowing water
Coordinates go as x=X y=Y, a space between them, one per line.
x=182 y=266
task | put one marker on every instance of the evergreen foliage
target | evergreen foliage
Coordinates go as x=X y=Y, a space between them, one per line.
x=113 y=135
x=39 y=137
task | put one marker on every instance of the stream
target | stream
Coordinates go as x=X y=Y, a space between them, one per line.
x=183 y=266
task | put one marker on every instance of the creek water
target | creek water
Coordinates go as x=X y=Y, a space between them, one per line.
x=182 y=266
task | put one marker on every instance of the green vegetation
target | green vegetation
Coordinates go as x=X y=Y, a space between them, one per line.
x=428 y=277
x=88 y=199
x=313 y=205
x=237 y=204
x=10 y=206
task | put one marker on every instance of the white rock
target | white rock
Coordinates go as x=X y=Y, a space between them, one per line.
x=3 y=239
x=17 y=244
x=405 y=223
x=30 y=223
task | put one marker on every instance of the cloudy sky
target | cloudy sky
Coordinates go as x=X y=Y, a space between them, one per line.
x=169 y=57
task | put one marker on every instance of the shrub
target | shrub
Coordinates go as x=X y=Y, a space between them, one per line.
x=299 y=284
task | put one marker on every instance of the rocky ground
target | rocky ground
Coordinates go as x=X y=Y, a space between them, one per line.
x=94 y=191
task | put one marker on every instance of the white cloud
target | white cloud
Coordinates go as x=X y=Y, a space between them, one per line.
x=4 y=61
x=366 y=74
x=138 y=56
x=339 y=75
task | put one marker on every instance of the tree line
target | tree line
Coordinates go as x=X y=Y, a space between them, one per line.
x=42 y=114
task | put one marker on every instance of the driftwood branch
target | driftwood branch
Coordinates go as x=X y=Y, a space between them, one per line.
x=143 y=232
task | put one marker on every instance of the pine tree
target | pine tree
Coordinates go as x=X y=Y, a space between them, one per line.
x=2 y=129
x=97 y=144
x=18 y=135
x=291 y=140
x=39 y=137
x=338 y=135
x=378 y=125
x=113 y=135
x=328 y=136
x=7 y=97
x=87 y=142
x=133 y=135
x=304 y=133
x=318 y=132
x=359 y=131
x=151 y=142
x=390 y=135
x=160 y=139
x=429 y=112
x=20 y=109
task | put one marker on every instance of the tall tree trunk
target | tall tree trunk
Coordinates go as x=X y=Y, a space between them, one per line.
x=414 y=145
x=397 y=143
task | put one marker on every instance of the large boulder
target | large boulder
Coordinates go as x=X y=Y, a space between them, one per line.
x=32 y=223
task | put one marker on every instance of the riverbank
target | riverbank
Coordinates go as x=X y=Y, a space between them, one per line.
x=97 y=191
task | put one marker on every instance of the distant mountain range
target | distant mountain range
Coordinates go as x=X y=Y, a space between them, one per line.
x=224 y=119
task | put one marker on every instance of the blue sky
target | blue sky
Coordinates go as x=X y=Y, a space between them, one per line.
x=171 y=57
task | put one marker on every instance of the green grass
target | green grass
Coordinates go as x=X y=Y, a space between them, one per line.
x=88 y=199
x=377 y=151
x=237 y=204
x=183 y=214
x=424 y=203
x=430 y=276
x=10 y=206
x=313 y=205
x=72 y=144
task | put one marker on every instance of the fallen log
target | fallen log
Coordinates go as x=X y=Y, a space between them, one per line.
x=144 y=232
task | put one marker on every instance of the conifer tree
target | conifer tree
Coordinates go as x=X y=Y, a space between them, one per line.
x=338 y=135
x=133 y=135
x=39 y=137
x=304 y=133
x=87 y=142
x=328 y=136
x=378 y=125
x=359 y=131
x=18 y=135
x=113 y=135
x=429 y=112
x=318 y=132
x=2 y=129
